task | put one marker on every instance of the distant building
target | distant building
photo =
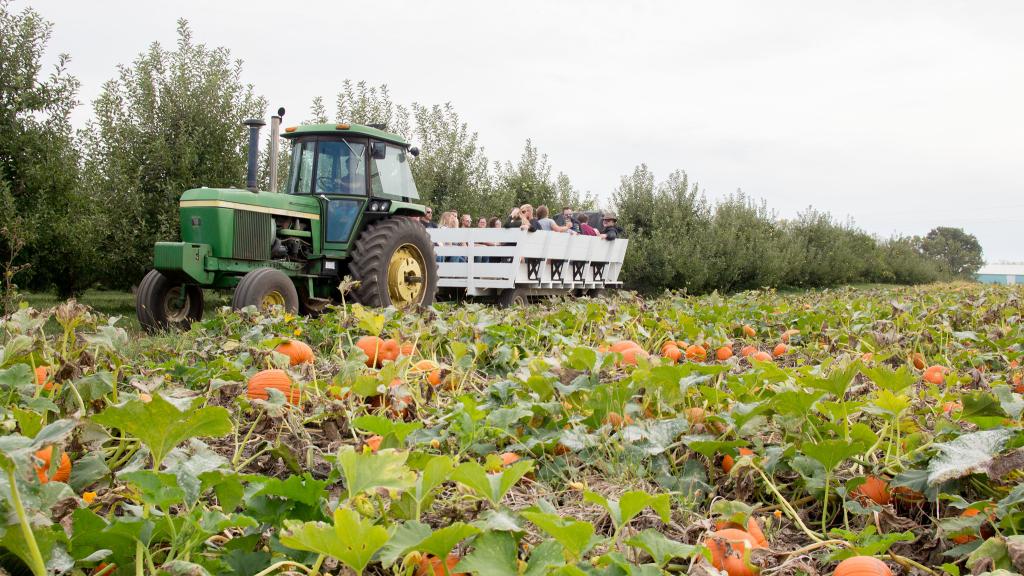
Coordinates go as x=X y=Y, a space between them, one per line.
x=1001 y=274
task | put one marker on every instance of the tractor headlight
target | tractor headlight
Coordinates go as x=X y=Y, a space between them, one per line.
x=379 y=205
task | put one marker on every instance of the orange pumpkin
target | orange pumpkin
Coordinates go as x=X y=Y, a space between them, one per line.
x=935 y=374
x=696 y=353
x=862 y=566
x=389 y=350
x=63 y=472
x=749 y=331
x=430 y=565
x=623 y=345
x=874 y=489
x=748 y=351
x=723 y=353
x=950 y=407
x=695 y=415
x=779 y=350
x=762 y=356
x=509 y=458
x=276 y=379
x=788 y=334
x=753 y=528
x=618 y=421
x=297 y=351
x=374 y=442
x=41 y=374
x=917 y=359
x=867 y=356
x=728 y=462
x=970 y=512
x=407 y=348
x=672 y=352
x=630 y=356
x=371 y=346
x=728 y=547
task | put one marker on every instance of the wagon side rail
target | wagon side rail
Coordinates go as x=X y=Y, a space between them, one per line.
x=485 y=260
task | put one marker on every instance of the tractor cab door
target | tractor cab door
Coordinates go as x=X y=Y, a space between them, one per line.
x=334 y=170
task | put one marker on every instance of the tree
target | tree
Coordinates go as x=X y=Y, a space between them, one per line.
x=957 y=253
x=169 y=122
x=42 y=206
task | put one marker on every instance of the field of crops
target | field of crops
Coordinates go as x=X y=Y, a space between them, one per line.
x=758 y=432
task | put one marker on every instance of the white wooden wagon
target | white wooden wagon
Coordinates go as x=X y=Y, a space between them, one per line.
x=513 y=264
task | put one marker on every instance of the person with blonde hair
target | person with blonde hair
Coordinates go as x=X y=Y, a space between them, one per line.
x=524 y=220
x=449 y=220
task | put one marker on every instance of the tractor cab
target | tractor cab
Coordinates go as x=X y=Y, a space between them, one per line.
x=350 y=160
x=355 y=171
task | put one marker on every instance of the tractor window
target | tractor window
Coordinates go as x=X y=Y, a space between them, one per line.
x=341 y=168
x=301 y=173
x=391 y=176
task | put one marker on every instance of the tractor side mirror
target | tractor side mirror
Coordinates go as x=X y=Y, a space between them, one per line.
x=379 y=150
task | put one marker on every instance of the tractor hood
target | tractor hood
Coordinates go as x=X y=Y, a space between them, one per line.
x=262 y=202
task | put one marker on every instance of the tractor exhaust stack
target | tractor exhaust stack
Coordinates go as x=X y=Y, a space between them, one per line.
x=275 y=140
x=254 y=152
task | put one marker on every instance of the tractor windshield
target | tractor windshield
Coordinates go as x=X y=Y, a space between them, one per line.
x=328 y=167
x=391 y=175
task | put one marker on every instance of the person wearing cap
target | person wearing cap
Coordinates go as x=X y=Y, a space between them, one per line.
x=609 y=227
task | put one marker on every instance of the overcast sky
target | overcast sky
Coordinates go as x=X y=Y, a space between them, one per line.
x=900 y=115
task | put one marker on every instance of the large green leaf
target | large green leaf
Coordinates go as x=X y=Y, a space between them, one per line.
x=575 y=536
x=969 y=454
x=161 y=426
x=494 y=554
x=889 y=379
x=384 y=426
x=364 y=471
x=351 y=540
x=491 y=487
x=660 y=547
x=830 y=453
x=157 y=488
x=623 y=510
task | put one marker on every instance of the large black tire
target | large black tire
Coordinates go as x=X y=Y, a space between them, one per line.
x=512 y=297
x=265 y=287
x=159 y=305
x=373 y=258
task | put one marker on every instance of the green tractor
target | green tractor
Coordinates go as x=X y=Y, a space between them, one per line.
x=349 y=209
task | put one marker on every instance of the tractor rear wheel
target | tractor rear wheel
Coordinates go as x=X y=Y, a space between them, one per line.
x=266 y=287
x=395 y=265
x=161 y=303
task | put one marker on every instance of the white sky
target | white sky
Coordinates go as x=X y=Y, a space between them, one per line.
x=900 y=115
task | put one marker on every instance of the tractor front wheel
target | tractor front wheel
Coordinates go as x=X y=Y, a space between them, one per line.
x=161 y=303
x=395 y=265
x=266 y=287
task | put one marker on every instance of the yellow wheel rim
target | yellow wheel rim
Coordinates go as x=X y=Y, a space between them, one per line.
x=273 y=298
x=407 y=276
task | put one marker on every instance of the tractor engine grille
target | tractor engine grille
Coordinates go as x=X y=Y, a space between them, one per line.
x=253 y=235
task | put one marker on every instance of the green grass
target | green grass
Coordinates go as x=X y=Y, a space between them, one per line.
x=111 y=303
